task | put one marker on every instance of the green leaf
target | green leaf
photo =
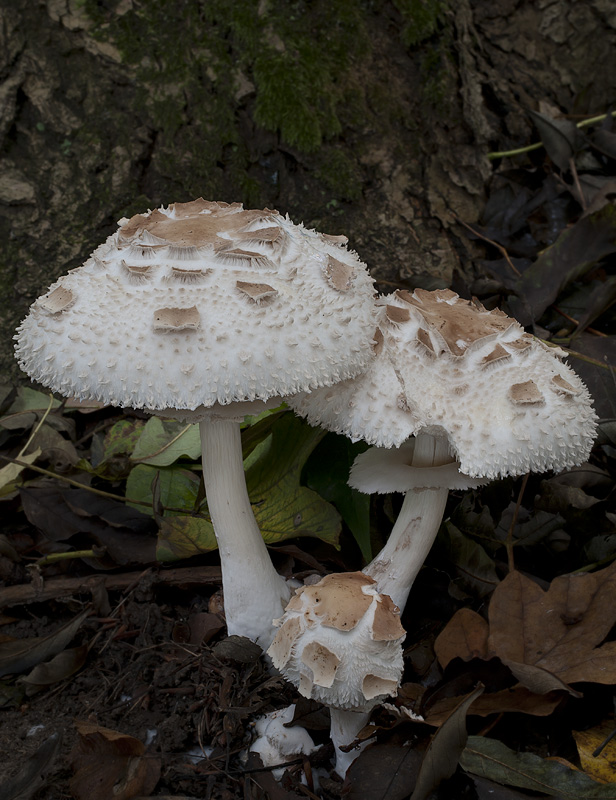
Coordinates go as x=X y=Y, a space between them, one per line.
x=22 y=414
x=122 y=438
x=31 y=400
x=162 y=442
x=183 y=537
x=491 y=759
x=178 y=486
x=327 y=471
x=283 y=508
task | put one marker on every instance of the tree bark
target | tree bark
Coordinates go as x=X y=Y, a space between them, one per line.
x=363 y=119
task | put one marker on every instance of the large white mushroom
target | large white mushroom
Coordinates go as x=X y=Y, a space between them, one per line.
x=481 y=398
x=206 y=312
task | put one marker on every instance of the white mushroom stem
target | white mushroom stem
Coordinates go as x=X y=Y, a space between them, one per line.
x=396 y=566
x=255 y=594
x=345 y=725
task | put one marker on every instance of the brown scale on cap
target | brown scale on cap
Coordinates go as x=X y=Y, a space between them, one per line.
x=176 y=319
x=189 y=227
x=373 y=686
x=323 y=663
x=337 y=599
x=331 y=238
x=237 y=256
x=262 y=235
x=525 y=394
x=339 y=275
x=462 y=321
x=498 y=354
x=397 y=314
x=387 y=626
x=188 y=274
x=424 y=338
x=379 y=341
x=285 y=639
x=58 y=300
x=561 y=386
x=523 y=343
x=256 y=291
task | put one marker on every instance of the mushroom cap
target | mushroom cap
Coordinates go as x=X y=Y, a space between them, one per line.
x=339 y=642
x=200 y=304
x=504 y=401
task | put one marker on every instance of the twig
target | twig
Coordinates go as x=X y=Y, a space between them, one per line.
x=162 y=449
x=577 y=354
x=518 y=151
x=92 y=490
x=490 y=241
x=568 y=317
x=183 y=577
x=52 y=558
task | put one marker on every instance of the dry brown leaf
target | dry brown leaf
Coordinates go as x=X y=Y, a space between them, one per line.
x=548 y=639
x=465 y=637
x=111 y=764
x=559 y=630
x=518 y=698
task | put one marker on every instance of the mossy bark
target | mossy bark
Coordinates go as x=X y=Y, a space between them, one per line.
x=368 y=118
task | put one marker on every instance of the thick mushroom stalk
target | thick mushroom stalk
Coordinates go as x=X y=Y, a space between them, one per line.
x=255 y=594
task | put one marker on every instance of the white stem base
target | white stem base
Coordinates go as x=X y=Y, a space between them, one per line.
x=345 y=725
x=397 y=565
x=254 y=593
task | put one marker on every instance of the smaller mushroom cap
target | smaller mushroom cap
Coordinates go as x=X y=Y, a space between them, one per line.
x=502 y=399
x=339 y=642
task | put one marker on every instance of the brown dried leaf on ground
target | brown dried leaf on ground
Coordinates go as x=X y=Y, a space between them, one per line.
x=558 y=631
x=517 y=699
x=111 y=764
x=20 y=655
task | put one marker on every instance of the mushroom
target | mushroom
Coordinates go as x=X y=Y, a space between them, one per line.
x=340 y=642
x=206 y=312
x=278 y=741
x=482 y=398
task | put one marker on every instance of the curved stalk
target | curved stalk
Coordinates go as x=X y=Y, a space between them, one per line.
x=396 y=566
x=254 y=593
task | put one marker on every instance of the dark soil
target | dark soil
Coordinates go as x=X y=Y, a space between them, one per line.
x=140 y=678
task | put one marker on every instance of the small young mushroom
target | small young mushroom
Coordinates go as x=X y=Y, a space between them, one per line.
x=482 y=398
x=206 y=312
x=340 y=642
x=277 y=741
